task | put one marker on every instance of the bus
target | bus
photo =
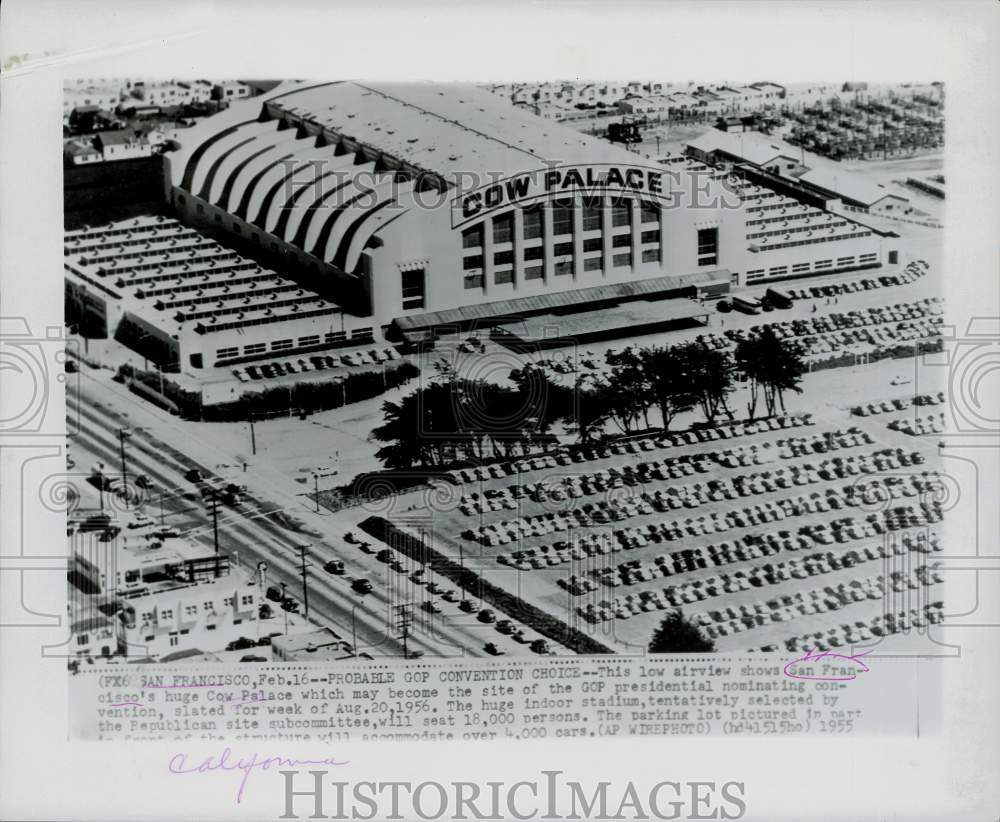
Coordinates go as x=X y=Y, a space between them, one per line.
x=748 y=305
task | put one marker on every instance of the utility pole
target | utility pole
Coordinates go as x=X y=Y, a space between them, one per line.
x=161 y=507
x=403 y=623
x=305 y=587
x=122 y=434
x=213 y=495
x=316 y=485
x=354 y=628
x=253 y=438
x=100 y=484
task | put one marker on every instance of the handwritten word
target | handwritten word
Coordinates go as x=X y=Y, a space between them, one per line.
x=178 y=765
x=830 y=674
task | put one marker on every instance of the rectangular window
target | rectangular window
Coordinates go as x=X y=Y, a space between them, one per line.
x=503 y=228
x=798 y=268
x=651 y=255
x=562 y=218
x=334 y=337
x=473 y=280
x=621 y=241
x=564 y=268
x=534 y=272
x=562 y=249
x=255 y=348
x=472 y=263
x=845 y=261
x=591 y=214
x=536 y=252
x=309 y=339
x=472 y=237
x=503 y=277
x=649 y=213
x=620 y=260
x=359 y=333
x=413 y=285
x=227 y=353
x=593 y=264
x=777 y=271
x=592 y=244
x=820 y=264
x=755 y=275
x=503 y=258
x=708 y=246
x=620 y=213
x=532 y=223
x=281 y=345
x=650 y=236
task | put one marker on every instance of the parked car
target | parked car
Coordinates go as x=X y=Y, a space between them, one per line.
x=291 y=606
x=468 y=606
x=334 y=566
x=385 y=555
x=362 y=586
x=431 y=606
x=493 y=650
x=487 y=616
x=349 y=537
x=540 y=646
x=241 y=644
x=143 y=481
x=505 y=626
x=451 y=595
x=274 y=593
x=194 y=475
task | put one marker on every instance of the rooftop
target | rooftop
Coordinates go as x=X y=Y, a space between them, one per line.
x=445 y=129
x=753 y=147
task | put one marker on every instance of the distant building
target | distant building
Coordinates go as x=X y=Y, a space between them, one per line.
x=653 y=106
x=715 y=146
x=231 y=90
x=81 y=151
x=124 y=144
x=323 y=644
x=205 y=617
x=733 y=122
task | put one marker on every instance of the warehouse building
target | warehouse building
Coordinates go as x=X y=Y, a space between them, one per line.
x=400 y=202
x=341 y=214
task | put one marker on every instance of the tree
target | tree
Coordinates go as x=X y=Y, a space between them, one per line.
x=773 y=366
x=678 y=636
x=709 y=373
x=626 y=390
x=670 y=387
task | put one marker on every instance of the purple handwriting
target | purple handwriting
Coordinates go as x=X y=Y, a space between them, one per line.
x=178 y=765
x=813 y=656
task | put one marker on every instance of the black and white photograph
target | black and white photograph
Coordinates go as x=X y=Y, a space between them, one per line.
x=455 y=410
x=392 y=370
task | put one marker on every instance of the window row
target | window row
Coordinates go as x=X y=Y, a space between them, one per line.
x=562 y=220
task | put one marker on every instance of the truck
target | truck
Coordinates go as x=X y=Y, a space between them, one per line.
x=779 y=298
x=748 y=305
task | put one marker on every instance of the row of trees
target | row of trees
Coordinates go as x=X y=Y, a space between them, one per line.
x=458 y=419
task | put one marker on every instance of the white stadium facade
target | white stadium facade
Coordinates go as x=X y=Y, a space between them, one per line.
x=328 y=215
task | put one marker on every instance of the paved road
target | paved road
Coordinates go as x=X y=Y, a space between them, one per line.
x=252 y=533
